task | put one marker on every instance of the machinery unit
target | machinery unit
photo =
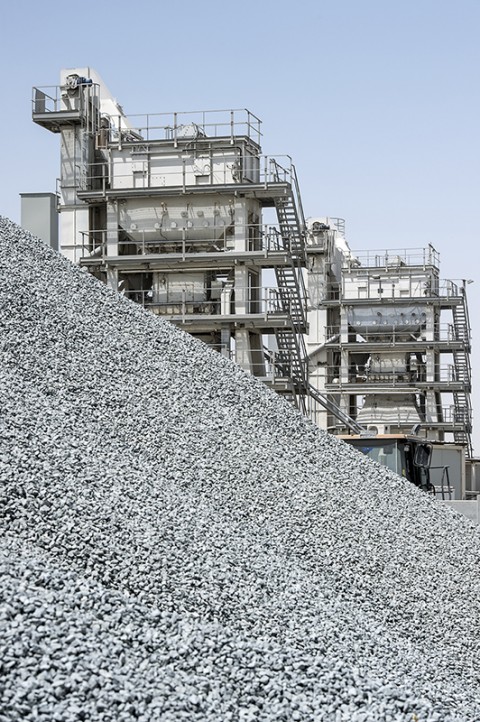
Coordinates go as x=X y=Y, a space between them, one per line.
x=389 y=340
x=168 y=210
x=434 y=467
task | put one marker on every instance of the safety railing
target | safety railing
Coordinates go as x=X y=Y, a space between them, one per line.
x=186 y=170
x=47 y=99
x=457 y=332
x=297 y=195
x=448 y=421
x=192 y=125
x=226 y=300
x=390 y=375
x=394 y=258
x=176 y=126
x=180 y=236
x=455 y=416
x=440 y=478
x=319 y=414
x=405 y=287
x=57 y=98
x=81 y=102
x=448 y=416
x=403 y=332
x=268 y=370
x=339 y=225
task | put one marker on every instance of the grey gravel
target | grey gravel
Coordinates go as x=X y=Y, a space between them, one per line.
x=178 y=543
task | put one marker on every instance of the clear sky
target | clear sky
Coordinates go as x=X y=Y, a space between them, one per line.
x=377 y=101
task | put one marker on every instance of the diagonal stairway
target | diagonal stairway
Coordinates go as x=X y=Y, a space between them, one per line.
x=290 y=359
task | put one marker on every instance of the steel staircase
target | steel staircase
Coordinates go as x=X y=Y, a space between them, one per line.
x=290 y=359
x=334 y=409
x=461 y=362
x=292 y=228
x=291 y=291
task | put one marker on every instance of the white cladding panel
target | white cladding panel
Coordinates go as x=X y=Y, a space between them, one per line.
x=159 y=169
x=178 y=288
x=74 y=228
x=381 y=286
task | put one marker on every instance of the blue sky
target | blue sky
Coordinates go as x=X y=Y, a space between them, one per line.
x=377 y=101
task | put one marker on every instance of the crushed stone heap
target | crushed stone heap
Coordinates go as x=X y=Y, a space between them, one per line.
x=178 y=543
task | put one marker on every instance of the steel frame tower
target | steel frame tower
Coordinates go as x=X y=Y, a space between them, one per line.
x=389 y=339
x=167 y=209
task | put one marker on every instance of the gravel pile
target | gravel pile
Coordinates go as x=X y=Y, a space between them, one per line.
x=179 y=543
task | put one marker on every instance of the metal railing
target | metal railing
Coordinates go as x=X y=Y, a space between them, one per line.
x=404 y=419
x=47 y=99
x=268 y=370
x=381 y=288
x=195 y=124
x=443 y=486
x=180 y=237
x=339 y=225
x=385 y=376
x=218 y=168
x=172 y=126
x=448 y=333
x=83 y=103
x=55 y=98
x=394 y=258
x=189 y=300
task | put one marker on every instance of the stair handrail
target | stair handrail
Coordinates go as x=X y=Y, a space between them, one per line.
x=466 y=314
x=297 y=200
x=298 y=196
x=334 y=409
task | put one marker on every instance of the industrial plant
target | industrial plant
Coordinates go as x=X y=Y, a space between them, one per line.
x=183 y=213
x=233 y=446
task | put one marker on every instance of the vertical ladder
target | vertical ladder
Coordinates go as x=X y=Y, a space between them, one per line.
x=461 y=362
